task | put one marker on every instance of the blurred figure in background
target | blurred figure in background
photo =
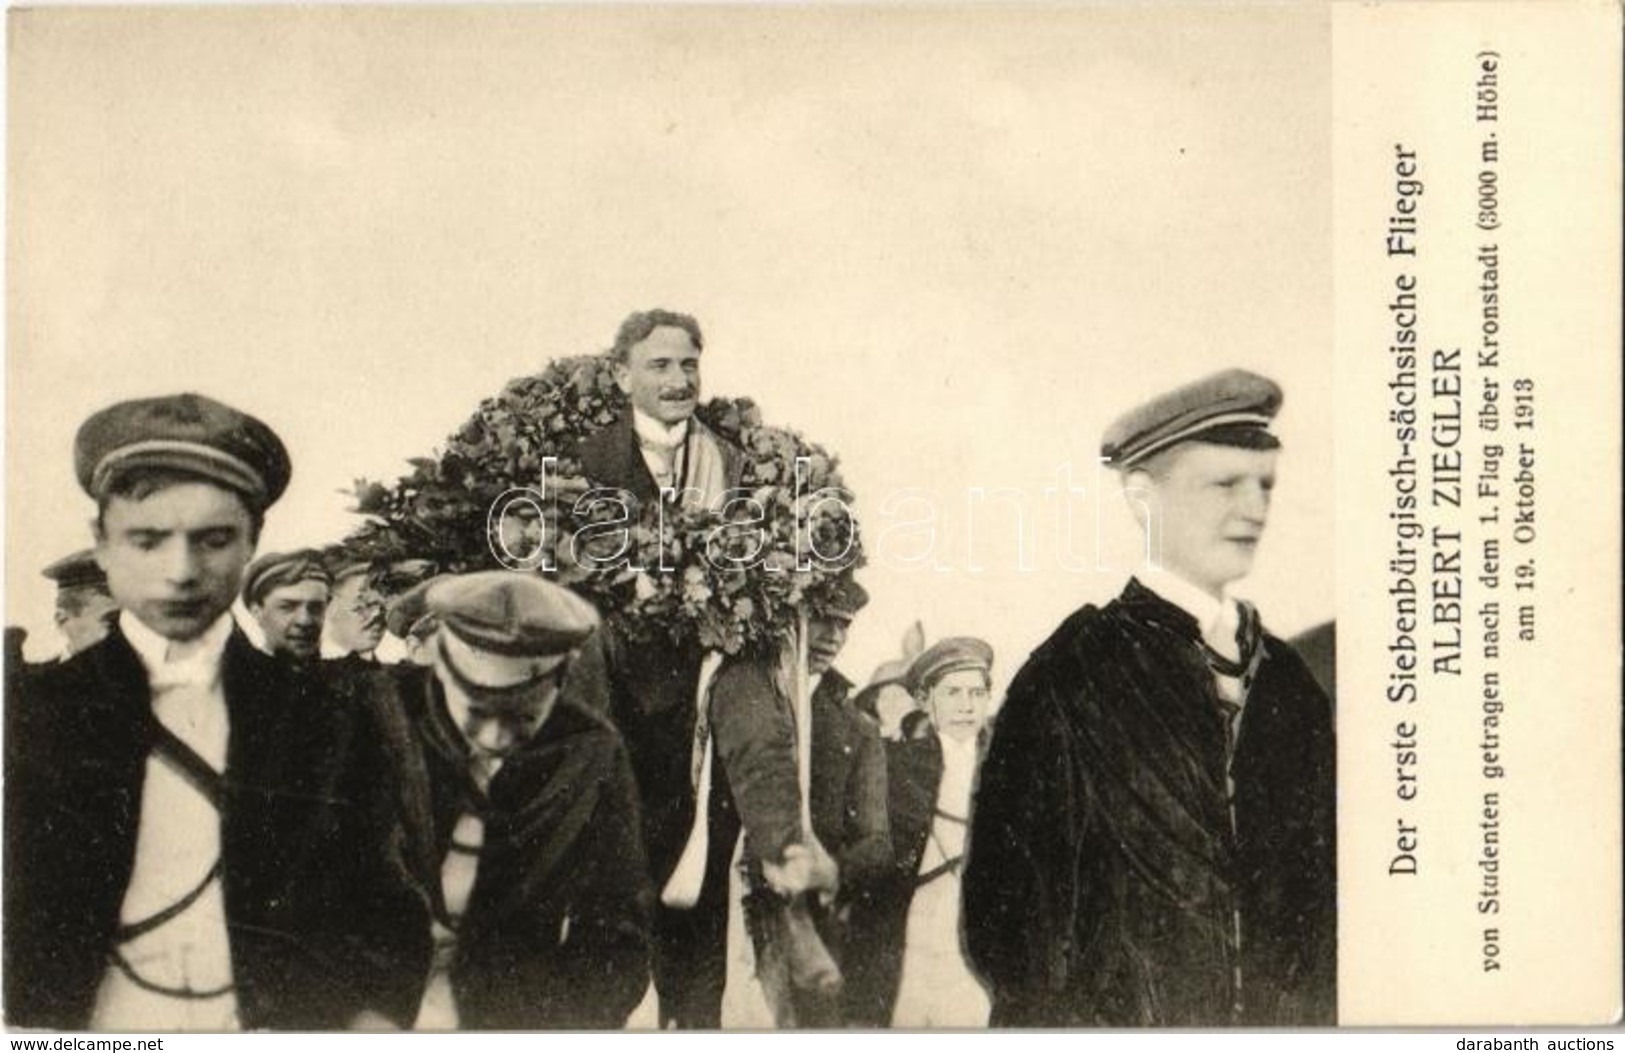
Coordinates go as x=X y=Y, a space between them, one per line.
x=85 y=609
x=409 y=620
x=355 y=616
x=886 y=699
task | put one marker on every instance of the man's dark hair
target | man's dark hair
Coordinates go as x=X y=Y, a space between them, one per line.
x=640 y=324
x=138 y=484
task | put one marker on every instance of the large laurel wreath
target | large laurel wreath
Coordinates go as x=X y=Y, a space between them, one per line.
x=729 y=580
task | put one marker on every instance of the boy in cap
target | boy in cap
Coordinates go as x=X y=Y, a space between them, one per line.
x=520 y=815
x=1153 y=838
x=287 y=594
x=921 y=979
x=177 y=817
x=85 y=610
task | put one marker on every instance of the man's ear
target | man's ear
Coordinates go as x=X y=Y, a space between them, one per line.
x=99 y=547
x=1139 y=489
x=623 y=377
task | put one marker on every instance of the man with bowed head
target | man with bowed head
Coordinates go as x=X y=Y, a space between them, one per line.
x=182 y=843
x=1152 y=838
x=520 y=813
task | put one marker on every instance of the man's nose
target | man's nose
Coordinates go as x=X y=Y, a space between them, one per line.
x=182 y=562
x=491 y=735
x=1255 y=502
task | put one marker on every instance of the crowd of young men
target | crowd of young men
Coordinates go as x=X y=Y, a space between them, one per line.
x=537 y=814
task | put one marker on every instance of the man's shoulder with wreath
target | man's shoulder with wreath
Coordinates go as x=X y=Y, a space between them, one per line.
x=605 y=453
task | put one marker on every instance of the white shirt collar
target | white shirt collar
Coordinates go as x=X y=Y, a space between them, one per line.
x=157 y=652
x=963 y=750
x=656 y=433
x=1209 y=611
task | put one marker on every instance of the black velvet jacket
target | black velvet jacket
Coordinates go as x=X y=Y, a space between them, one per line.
x=1105 y=883
x=310 y=908
x=555 y=933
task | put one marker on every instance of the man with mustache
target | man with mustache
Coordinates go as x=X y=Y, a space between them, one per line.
x=658 y=450
x=1152 y=838
x=185 y=847
x=658 y=447
x=287 y=593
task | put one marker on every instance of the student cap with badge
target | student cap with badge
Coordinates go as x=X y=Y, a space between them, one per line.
x=1231 y=408
x=279 y=569
x=189 y=433
x=503 y=628
x=946 y=656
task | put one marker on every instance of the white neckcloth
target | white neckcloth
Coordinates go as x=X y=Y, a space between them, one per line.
x=177 y=843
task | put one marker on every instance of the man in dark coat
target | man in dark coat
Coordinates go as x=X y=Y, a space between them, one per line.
x=183 y=827
x=848 y=810
x=647 y=685
x=879 y=917
x=647 y=689
x=1152 y=838
x=520 y=815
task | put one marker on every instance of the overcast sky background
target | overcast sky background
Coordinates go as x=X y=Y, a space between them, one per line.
x=949 y=245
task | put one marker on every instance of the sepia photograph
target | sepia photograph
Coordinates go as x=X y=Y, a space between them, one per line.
x=744 y=518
